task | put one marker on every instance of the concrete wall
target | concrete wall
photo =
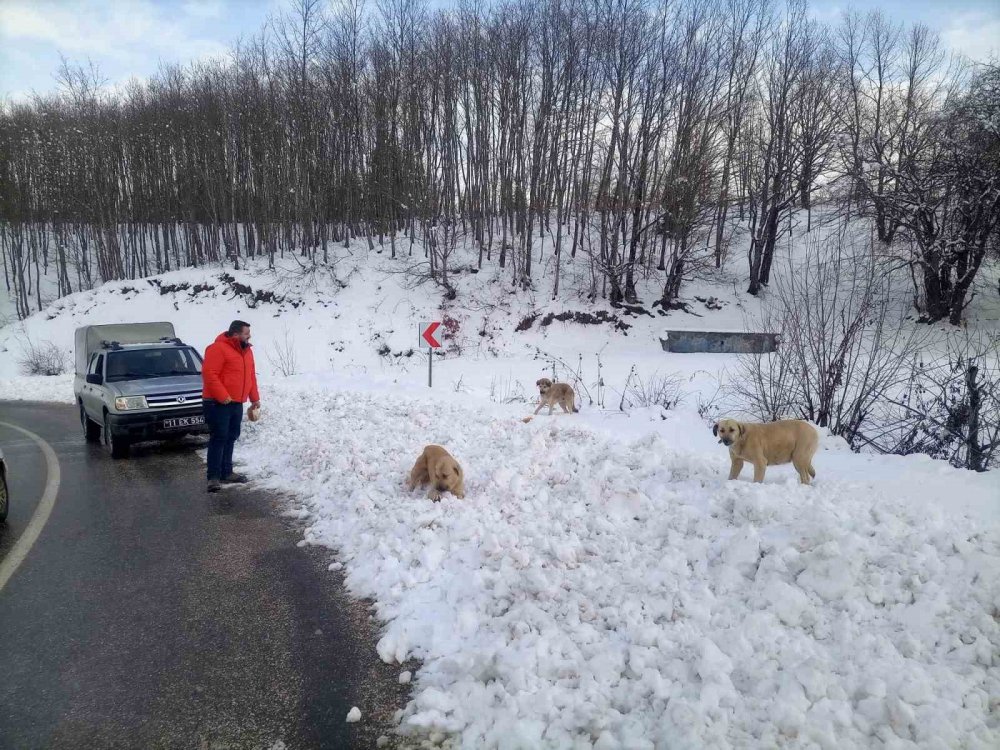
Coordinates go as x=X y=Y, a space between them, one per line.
x=719 y=342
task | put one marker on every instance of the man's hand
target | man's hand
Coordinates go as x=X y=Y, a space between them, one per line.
x=255 y=405
x=227 y=401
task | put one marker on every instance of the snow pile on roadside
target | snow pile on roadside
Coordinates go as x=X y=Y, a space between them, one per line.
x=58 y=388
x=593 y=592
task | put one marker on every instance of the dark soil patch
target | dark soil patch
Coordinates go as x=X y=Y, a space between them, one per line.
x=712 y=303
x=635 y=310
x=252 y=297
x=585 y=318
x=676 y=304
x=526 y=322
x=171 y=288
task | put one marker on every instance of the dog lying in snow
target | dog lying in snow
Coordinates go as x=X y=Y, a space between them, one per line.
x=786 y=441
x=437 y=467
x=555 y=393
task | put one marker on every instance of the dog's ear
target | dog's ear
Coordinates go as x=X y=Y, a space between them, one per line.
x=715 y=429
x=743 y=429
x=458 y=471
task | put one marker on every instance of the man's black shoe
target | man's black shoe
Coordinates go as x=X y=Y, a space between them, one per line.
x=213 y=485
x=235 y=479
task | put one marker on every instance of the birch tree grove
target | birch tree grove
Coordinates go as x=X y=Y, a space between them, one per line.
x=641 y=138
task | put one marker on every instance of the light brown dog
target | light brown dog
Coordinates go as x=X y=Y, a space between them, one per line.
x=555 y=393
x=437 y=467
x=763 y=445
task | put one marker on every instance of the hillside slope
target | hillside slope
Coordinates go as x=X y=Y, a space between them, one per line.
x=602 y=585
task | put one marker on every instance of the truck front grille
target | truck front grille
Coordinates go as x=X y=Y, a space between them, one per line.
x=181 y=400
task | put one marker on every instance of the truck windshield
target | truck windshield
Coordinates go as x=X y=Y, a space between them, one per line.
x=153 y=363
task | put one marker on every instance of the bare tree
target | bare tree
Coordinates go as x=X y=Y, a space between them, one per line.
x=746 y=23
x=840 y=348
x=639 y=133
x=772 y=184
x=945 y=200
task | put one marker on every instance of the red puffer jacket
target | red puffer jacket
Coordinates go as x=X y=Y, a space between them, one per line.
x=228 y=371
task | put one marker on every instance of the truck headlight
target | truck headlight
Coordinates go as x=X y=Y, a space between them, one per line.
x=124 y=403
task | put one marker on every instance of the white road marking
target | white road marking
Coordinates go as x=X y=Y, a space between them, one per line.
x=23 y=545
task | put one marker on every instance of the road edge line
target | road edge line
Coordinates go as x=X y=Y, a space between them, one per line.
x=40 y=517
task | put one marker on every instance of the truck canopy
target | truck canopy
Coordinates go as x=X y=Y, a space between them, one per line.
x=89 y=338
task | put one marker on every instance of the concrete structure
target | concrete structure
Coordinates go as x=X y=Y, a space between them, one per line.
x=719 y=342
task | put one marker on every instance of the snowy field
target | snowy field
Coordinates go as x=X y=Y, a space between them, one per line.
x=601 y=586
x=608 y=593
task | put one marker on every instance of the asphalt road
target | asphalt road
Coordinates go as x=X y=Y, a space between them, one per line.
x=149 y=614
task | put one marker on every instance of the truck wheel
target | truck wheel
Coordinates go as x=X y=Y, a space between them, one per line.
x=116 y=445
x=4 y=498
x=91 y=430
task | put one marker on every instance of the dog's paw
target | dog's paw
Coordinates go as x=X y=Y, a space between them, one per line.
x=434 y=495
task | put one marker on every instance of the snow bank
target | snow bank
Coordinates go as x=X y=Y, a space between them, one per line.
x=608 y=593
x=58 y=388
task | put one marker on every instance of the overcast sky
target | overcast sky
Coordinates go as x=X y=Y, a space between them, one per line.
x=128 y=38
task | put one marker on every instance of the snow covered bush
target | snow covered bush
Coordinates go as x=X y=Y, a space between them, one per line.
x=44 y=358
x=507 y=390
x=658 y=389
x=451 y=328
x=281 y=355
x=840 y=346
x=950 y=408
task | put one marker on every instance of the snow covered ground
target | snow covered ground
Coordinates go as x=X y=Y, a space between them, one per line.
x=608 y=593
x=601 y=585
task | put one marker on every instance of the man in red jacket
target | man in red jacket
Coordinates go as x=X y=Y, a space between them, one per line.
x=228 y=380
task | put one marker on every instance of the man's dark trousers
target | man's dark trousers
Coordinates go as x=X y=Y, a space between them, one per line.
x=223 y=422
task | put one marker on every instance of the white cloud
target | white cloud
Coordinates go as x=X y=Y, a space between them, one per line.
x=204 y=9
x=125 y=31
x=826 y=13
x=975 y=35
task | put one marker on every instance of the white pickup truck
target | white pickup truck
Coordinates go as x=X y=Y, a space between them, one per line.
x=136 y=381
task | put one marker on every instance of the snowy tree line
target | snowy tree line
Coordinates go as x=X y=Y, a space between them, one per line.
x=634 y=133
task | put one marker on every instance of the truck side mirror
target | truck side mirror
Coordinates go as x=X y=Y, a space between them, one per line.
x=95 y=378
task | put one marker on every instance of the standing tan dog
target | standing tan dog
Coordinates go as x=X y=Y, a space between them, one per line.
x=763 y=445
x=437 y=467
x=551 y=394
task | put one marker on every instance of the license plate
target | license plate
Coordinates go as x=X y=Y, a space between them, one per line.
x=183 y=422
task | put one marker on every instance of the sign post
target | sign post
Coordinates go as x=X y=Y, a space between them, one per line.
x=426 y=332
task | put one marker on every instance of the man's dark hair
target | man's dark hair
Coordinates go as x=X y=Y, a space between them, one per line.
x=236 y=326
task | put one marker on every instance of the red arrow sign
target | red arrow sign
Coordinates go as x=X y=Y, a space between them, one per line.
x=427 y=334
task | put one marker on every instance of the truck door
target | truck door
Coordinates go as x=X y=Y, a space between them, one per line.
x=92 y=394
